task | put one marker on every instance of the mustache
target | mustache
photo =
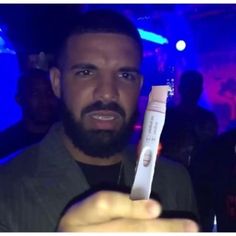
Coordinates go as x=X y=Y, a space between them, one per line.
x=112 y=106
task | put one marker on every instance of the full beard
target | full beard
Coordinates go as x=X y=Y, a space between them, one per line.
x=97 y=143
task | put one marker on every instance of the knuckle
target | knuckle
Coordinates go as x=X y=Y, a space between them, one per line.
x=101 y=201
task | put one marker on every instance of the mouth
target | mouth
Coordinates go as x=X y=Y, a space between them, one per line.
x=104 y=115
x=103 y=119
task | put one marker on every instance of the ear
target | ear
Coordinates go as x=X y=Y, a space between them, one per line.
x=141 y=82
x=55 y=78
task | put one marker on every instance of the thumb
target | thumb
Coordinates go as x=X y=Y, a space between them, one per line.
x=107 y=205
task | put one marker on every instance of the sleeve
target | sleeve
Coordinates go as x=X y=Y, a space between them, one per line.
x=4 y=212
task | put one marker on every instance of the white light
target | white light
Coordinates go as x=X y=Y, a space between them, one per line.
x=180 y=45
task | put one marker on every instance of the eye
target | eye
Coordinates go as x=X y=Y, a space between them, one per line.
x=84 y=72
x=128 y=76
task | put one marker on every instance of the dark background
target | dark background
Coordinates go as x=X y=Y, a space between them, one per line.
x=34 y=27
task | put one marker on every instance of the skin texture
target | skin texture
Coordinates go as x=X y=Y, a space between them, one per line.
x=105 y=67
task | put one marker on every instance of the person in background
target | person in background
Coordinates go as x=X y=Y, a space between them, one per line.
x=77 y=177
x=187 y=136
x=39 y=111
x=223 y=175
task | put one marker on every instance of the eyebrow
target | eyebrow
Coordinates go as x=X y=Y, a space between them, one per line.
x=93 y=67
x=130 y=69
x=83 y=65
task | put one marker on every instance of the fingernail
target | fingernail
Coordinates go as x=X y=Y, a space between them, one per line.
x=153 y=208
x=191 y=226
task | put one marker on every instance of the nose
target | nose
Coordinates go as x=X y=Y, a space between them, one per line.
x=106 y=89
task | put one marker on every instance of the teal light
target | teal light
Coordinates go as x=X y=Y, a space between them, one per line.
x=155 y=38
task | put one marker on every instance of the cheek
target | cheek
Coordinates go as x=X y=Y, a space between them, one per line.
x=76 y=97
x=129 y=101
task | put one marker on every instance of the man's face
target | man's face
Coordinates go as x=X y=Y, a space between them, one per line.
x=99 y=86
x=190 y=90
x=38 y=102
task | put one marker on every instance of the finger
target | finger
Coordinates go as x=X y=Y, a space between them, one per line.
x=132 y=225
x=108 y=205
x=176 y=225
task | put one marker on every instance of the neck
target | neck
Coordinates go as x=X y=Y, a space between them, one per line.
x=78 y=155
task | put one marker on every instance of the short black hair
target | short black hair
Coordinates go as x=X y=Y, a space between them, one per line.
x=98 y=21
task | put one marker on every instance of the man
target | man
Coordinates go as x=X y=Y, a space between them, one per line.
x=39 y=111
x=187 y=136
x=223 y=180
x=97 y=79
x=187 y=125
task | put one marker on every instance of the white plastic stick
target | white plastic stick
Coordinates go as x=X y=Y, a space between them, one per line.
x=152 y=128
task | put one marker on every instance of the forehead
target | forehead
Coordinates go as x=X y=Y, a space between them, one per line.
x=91 y=45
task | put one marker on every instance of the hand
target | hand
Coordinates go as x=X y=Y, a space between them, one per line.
x=108 y=211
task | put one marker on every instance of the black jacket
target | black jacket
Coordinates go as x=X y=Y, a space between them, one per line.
x=36 y=185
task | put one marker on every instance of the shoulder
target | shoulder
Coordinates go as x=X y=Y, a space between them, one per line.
x=228 y=135
x=11 y=139
x=171 y=169
x=10 y=131
x=28 y=161
x=20 y=163
x=171 y=176
x=206 y=113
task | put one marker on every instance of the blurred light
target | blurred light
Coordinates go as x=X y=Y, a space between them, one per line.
x=6 y=159
x=180 y=45
x=9 y=73
x=155 y=38
x=5 y=46
x=137 y=127
x=2 y=42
